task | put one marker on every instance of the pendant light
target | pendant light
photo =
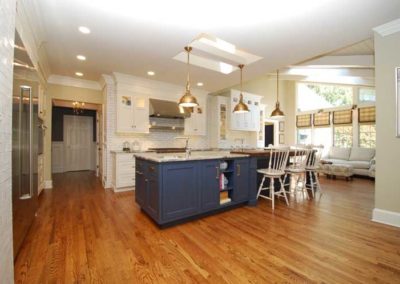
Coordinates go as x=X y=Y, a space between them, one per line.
x=188 y=100
x=277 y=113
x=241 y=107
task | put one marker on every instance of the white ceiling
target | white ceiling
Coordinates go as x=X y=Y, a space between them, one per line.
x=136 y=36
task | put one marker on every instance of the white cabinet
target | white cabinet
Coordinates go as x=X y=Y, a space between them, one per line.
x=196 y=123
x=249 y=121
x=261 y=131
x=123 y=171
x=218 y=127
x=132 y=114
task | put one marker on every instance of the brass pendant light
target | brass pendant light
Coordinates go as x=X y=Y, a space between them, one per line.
x=241 y=107
x=188 y=100
x=277 y=113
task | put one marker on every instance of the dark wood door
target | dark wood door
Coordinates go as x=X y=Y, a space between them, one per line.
x=209 y=185
x=241 y=186
x=269 y=135
x=180 y=192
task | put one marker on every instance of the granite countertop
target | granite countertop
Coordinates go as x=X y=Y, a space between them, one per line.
x=196 y=155
x=124 y=152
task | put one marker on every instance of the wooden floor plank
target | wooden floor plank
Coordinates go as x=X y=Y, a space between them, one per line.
x=85 y=234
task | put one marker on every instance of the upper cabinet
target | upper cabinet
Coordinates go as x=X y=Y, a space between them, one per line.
x=249 y=121
x=261 y=131
x=132 y=114
x=218 y=121
x=196 y=123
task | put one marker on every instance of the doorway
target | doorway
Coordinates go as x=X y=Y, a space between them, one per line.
x=75 y=137
x=269 y=134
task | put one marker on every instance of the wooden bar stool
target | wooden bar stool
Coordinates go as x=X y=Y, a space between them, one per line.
x=276 y=169
x=312 y=169
x=297 y=169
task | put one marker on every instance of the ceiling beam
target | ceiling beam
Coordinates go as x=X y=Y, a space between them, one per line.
x=341 y=61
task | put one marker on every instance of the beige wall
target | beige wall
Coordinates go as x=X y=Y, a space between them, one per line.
x=387 y=188
x=266 y=86
x=68 y=93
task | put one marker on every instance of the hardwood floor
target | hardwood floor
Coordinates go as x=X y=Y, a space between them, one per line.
x=84 y=234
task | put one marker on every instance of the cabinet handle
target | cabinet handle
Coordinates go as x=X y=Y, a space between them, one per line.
x=139 y=173
x=146 y=180
x=238 y=170
x=217 y=176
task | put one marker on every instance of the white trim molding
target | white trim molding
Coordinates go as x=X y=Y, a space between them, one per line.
x=386 y=217
x=388 y=28
x=48 y=184
x=73 y=82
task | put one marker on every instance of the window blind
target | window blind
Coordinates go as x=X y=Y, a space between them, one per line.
x=322 y=119
x=303 y=120
x=366 y=114
x=343 y=117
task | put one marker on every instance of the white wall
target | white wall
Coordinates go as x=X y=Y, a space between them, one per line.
x=118 y=83
x=387 y=187
x=7 y=31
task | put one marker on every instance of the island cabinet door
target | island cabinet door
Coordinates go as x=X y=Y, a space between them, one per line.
x=242 y=180
x=209 y=185
x=153 y=192
x=180 y=192
x=141 y=184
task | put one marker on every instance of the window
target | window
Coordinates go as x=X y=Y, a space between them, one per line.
x=323 y=136
x=320 y=96
x=304 y=136
x=366 y=95
x=367 y=135
x=343 y=136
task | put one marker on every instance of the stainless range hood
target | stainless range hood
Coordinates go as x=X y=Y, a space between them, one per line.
x=167 y=109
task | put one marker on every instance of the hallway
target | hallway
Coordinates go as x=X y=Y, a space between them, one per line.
x=85 y=234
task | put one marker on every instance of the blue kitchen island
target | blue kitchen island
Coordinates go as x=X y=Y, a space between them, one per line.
x=174 y=188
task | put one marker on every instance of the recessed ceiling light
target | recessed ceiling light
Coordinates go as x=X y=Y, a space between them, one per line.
x=80 y=74
x=81 y=57
x=151 y=73
x=84 y=30
x=200 y=84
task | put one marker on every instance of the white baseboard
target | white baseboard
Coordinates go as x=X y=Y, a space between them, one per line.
x=48 y=184
x=386 y=217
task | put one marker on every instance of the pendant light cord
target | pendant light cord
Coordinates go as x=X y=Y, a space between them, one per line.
x=188 y=49
x=277 y=86
x=241 y=81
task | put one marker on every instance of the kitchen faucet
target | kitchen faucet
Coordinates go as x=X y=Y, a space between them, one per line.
x=242 y=142
x=187 y=149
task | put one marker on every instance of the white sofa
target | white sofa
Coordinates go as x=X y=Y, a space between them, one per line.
x=361 y=159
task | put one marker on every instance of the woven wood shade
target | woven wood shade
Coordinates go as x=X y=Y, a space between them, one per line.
x=342 y=117
x=366 y=114
x=322 y=119
x=303 y=120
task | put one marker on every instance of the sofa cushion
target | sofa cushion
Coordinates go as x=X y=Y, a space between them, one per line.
x=359 y=164
x=339 y=153
x=361 y=154
x=336 y=161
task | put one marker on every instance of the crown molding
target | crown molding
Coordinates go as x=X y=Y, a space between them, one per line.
x=388 y=28
x=73 y=82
